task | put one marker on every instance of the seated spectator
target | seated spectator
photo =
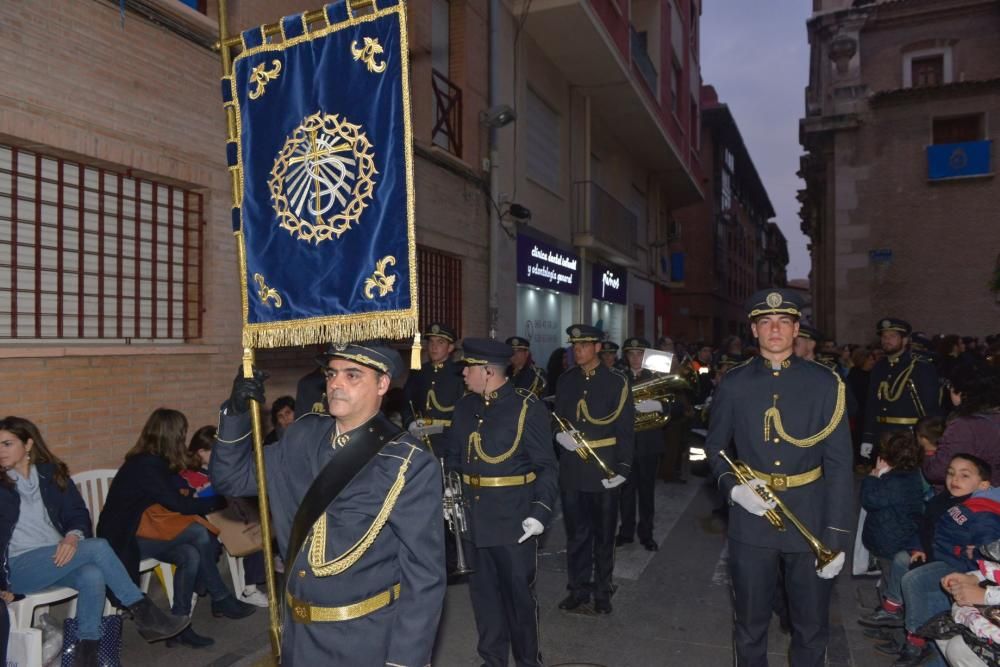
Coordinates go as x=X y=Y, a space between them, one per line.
x=974 y=427
x=893 y=496
x=196 y=476
x=282 y=415
x=47 y=541
x=975 y=520
x=148 y=477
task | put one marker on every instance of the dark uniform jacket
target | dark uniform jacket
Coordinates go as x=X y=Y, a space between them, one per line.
x=647 y=443
x=530 y=378
x=901 y=390
x=433 y=392
x=376 y=536
x=810 y=400
x=514 y=433
x=597 y=403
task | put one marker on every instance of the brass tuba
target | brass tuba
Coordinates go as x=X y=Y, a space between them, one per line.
x=663 y=389
x=824 y=555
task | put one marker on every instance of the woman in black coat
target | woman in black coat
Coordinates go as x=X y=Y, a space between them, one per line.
x=149 y=476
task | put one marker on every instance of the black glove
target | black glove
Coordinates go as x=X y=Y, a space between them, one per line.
x=245 y=389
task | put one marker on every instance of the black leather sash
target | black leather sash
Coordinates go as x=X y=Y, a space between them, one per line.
x=365 y=442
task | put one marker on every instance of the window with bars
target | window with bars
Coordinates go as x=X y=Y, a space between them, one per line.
x=439 y=281
x=88 y=253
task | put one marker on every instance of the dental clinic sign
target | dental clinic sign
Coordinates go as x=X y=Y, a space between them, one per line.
x=608 y=283
x=544 y=265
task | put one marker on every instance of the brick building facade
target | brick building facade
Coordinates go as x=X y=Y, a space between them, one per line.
x=129 y=107
x=730 y=248
x=902 y=117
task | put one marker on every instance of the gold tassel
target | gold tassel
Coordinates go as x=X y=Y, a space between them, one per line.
x=415 y=353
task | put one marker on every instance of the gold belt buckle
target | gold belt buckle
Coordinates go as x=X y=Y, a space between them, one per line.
x=474 y=480
x=779 y=481
x=301 y=612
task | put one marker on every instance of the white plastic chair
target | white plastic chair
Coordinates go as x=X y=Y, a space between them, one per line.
x=94 y=485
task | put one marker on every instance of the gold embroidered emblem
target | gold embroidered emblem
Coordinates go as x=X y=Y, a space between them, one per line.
x=322 y=179
x=340 y=347
x=774 y=300
x=341 y=440
x=575 y=333
x=368 y=53
x=260 y=76
x=886 y=324
x=435 y=329
x=378 y=280
x=266 y=293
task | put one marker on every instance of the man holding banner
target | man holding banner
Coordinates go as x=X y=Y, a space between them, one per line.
x=319 y=149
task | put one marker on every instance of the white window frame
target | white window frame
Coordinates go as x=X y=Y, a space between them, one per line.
x=910 y=56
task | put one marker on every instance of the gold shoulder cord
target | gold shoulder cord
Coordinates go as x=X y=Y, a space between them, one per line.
x=893 y=393
x=476 y=440
x=582 y=411
x=432 y=402
x=317 y=547
x=772 y=415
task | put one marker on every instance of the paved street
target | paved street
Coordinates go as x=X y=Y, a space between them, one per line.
x=671 y=608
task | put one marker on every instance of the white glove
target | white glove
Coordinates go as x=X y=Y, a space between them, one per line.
x=866 y=449
x=833 y=568
x=531 y=528
x=617 y=480
x=566 y=440
x=744 y=496
x=649 y=405
x=421 y=427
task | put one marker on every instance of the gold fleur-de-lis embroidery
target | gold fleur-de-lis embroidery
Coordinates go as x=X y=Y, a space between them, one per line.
x=379 y=280
x=266 y=293
x=260 y=76
x=368 y=53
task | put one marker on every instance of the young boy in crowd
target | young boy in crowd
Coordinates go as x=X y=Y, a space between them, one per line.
x=966 y=513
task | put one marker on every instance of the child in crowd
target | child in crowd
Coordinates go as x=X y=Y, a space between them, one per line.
x=929 y=431
x=893 y=496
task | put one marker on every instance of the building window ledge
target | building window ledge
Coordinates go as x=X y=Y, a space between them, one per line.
x=971 y=177
x=59 y=350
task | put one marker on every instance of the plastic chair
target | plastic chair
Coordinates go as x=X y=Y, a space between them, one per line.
x=94 y=485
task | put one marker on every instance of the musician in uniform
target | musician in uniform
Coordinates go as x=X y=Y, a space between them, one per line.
x=368 y=589
x=902 y=387
x=500 y=442
x=649 y=446
x=431 y=393
x=522 y=369
x=595 y=402
x=805 y=343
x=786 y=417
x=609 y=354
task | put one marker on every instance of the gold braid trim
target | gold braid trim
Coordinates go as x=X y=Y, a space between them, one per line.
x=476 y=440
x=893 y=393
x=772 y=415
x=582 y=411
x=317 y=547
x=432 y=403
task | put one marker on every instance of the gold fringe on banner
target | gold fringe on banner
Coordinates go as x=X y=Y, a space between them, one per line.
x=391 y=325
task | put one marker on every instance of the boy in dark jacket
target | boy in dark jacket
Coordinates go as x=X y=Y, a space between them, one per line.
x=893 y=496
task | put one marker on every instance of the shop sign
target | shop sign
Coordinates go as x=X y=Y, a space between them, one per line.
x=547 y=266
x=609 y=283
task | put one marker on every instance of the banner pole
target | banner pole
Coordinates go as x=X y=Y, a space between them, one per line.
x=274 y=616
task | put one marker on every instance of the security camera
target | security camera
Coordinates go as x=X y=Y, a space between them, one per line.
x=498 y=116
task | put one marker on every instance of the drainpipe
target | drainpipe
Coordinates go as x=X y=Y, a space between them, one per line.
x=494 y=236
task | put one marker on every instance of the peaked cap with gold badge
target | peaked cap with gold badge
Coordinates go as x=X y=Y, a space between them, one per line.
x=774 y=301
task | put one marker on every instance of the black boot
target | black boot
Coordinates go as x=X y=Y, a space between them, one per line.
x=86 y=653
x=190 y=638
x=155 y=624
x=230 y=607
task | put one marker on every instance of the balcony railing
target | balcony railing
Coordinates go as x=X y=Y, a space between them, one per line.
x=969 y=158
x=610 y=223
x=447 y=131
x=640 y=57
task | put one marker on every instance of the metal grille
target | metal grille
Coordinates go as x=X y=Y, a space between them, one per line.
x=90 y=253
x=439 y=279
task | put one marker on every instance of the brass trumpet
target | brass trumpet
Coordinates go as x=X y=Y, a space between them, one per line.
x=824 y=555
x=458 y=521
x=663 y=389
x=585 y=451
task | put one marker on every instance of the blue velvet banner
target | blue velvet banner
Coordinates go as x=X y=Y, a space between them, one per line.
x=325 y=180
